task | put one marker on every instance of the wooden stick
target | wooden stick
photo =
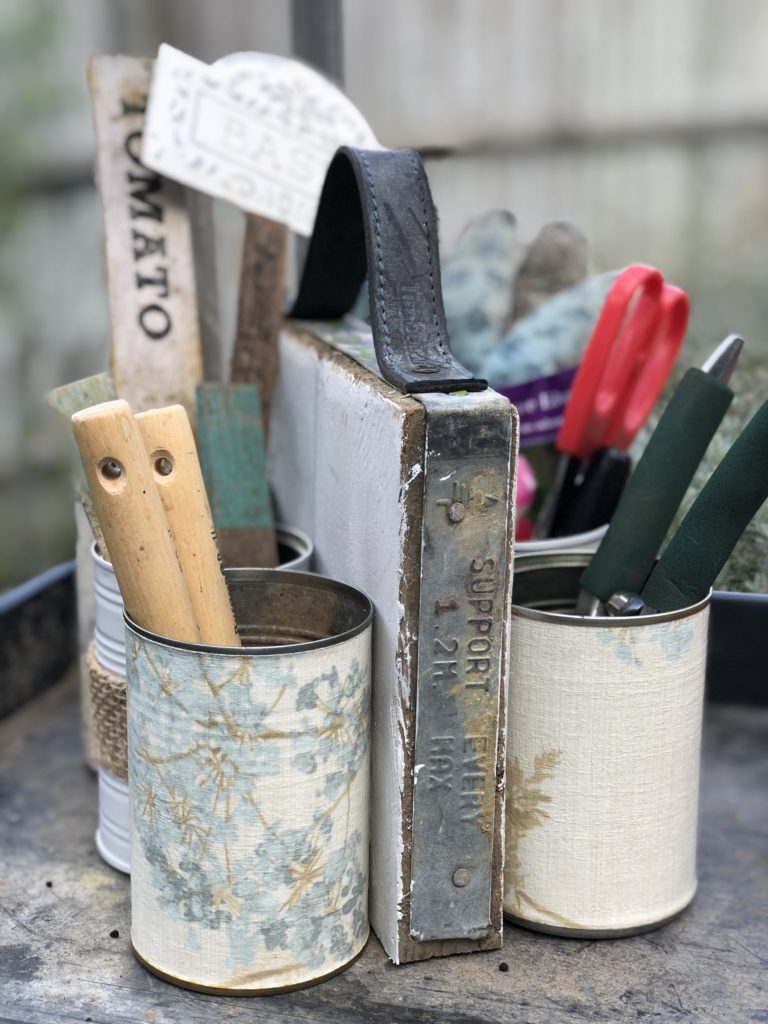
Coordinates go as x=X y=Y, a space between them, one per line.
x=233 y=460
x=260 y=308
x=172 y=453
x=133 y=521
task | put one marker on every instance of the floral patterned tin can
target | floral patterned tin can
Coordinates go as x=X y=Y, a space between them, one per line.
x=604 y=735
x=248 y=771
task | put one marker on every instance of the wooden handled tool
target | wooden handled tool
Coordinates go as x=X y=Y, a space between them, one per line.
x=173 y=458
x=132 y=519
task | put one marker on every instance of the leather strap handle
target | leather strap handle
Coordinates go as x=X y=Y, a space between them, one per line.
x=376 y=214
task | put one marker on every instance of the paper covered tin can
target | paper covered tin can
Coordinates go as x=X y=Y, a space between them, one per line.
x=295 y=551
x=602 y=760
x=248 y=771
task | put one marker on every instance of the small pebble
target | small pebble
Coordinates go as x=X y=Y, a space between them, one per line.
x=49 y=885
x=503 y=967
x=114 y=934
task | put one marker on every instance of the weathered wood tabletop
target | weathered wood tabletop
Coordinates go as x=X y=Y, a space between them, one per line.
x=65 y=919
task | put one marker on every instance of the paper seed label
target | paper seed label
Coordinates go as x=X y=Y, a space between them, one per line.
x=253 y=128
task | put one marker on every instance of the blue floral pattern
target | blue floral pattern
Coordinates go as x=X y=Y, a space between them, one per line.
x=249 y=779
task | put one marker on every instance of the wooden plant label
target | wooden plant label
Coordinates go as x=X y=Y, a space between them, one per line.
x=260 y=307
x=156 y=358
x=253 y=128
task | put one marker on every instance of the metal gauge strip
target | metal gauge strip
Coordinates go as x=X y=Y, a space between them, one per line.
x=467 y=473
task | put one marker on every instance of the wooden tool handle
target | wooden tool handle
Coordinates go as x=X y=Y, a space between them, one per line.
x=173 y=458
x=133 y=521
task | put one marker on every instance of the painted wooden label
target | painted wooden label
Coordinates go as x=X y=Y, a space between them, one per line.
x=253 y=128
x=260 y=307
x=233 y=461
x=156 y=357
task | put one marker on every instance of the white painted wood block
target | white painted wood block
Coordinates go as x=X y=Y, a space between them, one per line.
x=346 y=465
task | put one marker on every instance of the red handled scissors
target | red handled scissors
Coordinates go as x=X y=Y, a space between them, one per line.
x=633 y=346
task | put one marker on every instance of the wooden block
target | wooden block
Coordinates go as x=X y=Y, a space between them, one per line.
x=172 y=454
x=233 y=460
x=69 y=399
x=80 y=394
x=133 y=521
x=260 y=307
x=346 y=458
x=156 y=358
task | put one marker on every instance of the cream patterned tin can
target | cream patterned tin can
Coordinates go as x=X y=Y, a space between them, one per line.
x=602 y=761
x=248 y=772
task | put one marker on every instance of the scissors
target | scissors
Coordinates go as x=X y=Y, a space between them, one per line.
x=630 y=353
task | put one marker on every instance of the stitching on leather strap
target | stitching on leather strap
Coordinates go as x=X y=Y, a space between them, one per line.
x=430 y=256
x=377 y=240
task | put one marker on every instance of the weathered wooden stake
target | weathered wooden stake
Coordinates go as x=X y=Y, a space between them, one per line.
x=155 y=356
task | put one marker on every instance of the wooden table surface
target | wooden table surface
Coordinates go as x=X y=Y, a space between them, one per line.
x=60 y=905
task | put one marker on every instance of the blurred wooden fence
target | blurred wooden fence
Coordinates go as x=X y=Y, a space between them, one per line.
x=645 y=122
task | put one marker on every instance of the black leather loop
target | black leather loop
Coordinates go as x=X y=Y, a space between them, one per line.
x=376 y=214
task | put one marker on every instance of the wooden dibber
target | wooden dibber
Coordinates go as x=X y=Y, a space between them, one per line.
x=170 y=444
x=132 y=519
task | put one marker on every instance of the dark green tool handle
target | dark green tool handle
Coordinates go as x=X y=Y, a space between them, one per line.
x=730 y=498
x=657 y=486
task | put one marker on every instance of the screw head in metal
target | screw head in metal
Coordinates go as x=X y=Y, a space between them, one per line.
x=456 y=512
x=625 y=604
x=460 y=877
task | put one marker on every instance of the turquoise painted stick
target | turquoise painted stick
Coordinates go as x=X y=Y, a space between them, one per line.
x=233 y=460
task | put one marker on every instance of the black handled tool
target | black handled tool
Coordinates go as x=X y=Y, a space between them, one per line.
x=662 y=476
x=593 y=498
x=703 y=543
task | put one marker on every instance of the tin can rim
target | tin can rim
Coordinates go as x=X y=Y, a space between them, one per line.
x=609 y=621
x=302 y=542
x=572 y=559
x=284 y=577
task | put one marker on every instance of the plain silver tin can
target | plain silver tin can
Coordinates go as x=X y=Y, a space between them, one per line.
x=248 y=770
x=604 y=736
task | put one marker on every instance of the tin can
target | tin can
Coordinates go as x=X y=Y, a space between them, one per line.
x=295 y=550
x=588 y=541
x=604 y=736
x=248 y=774
x=113 y=836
